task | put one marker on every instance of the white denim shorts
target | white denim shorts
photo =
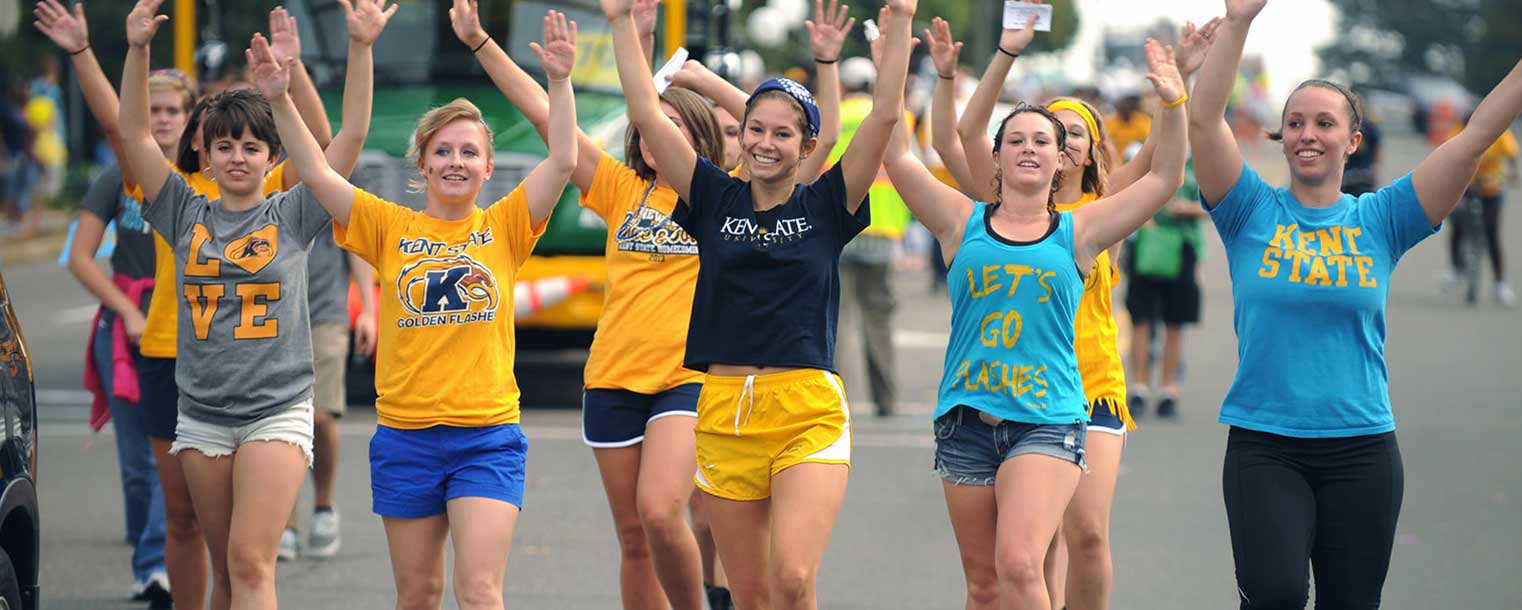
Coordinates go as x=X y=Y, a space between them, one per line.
x=293 y=425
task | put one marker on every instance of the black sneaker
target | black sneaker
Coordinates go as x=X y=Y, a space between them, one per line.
x=156 y=592
x=718 y=598
x=1167 y=408
x=1137 y=405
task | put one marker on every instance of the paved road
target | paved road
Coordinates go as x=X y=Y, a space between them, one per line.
x=1454 y=380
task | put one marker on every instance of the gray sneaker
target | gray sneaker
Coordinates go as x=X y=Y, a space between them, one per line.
x=324 y=539
x=287 y=550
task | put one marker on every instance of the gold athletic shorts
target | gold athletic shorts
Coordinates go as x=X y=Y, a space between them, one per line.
x=751 y=428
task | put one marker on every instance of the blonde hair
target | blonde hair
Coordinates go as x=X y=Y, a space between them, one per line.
x=460 y=109
x=1096 y=177
x=174 y=82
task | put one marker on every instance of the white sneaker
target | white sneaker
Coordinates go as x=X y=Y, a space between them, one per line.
x=1505 y=296
x=1449 y=282
x=324 y=538
x=288 y=550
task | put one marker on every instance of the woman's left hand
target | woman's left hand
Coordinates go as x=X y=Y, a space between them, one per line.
x=558 y=54
x=828 y=29
x=1164 y=72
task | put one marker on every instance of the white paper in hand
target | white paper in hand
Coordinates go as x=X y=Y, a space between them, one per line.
x=869 y=29
x=663 y=76
x=1016 y=13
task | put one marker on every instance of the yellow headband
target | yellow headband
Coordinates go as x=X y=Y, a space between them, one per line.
x=1082 y=111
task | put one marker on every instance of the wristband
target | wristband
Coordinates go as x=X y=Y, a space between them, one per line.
x=81 y=50
x=1010 y=54
x=1178 y=102
x=822 y=61
x=483 y=43
x=944 y=77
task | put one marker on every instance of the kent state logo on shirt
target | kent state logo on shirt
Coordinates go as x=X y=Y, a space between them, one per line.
x=443 y=291
x=1318 y=257
x=648 y=231
x=748 y=230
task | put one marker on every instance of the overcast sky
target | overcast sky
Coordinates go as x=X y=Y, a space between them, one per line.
x=1285 y=34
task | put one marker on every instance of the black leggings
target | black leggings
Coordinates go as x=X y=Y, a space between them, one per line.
x=1490 y=223
x=1329 y=502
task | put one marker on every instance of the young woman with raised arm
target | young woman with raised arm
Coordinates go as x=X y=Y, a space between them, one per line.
x=1312 y=474
x=174 y=111
x=1080 y=577
x=639 y=405
x=242 y=435
x=1006 y=451
x=773 y=427
x=447 y=460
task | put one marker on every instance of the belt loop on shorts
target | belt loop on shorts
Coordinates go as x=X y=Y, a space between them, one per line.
x=748 y=390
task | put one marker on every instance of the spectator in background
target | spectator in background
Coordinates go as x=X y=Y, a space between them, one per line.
x=866 y=264
x=49 y=84
x=45 y=117
x=1164 y=288
x=18 y=168
x=1489 y=184
x=1361 y=174
x=1129 y=126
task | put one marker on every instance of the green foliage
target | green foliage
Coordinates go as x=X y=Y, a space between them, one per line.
x=1497 y=49
x=1380 y=41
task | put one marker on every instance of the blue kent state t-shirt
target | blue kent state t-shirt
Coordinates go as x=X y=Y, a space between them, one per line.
x=768 y=291
x=1310 y=286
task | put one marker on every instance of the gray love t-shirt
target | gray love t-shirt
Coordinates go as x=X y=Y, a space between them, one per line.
x=328 y=281
x=245 y=345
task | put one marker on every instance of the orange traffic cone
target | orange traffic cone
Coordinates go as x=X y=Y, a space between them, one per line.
x=533 y=296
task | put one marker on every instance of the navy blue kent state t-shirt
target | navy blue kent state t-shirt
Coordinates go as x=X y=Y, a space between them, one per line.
x=768 y=291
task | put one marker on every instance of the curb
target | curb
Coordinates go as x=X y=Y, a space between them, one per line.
x=38 y=248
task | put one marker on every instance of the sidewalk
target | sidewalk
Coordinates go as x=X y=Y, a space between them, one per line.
x=47 y=243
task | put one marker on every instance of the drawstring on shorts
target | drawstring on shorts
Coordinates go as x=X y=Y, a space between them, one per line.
x=749 y=391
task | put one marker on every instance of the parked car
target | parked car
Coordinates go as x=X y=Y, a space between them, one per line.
x=20 y=530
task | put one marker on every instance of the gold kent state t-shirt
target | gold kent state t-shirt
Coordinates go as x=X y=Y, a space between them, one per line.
x=446 y=341
x=652 y=271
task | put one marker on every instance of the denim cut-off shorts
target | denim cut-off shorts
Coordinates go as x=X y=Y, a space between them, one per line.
x=969 y=448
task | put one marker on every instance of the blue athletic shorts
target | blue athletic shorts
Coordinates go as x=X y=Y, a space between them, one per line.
x=617 y=418
x=414 y=473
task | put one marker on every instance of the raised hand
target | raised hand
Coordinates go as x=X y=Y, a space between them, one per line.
x=943 y=50
x=271 y=75
x=1244 y=9
x=465 y=20
x=616 y=8
x=691 y=75
x=1164 y=72
x=558 y=54
x=285 y=42
x=903 y=7
x=1193 y=44
x=366 y=19
x=1015 y=41
x=645 y=12
x=143 y=22
x=65 y=29
x=876 y=46
x=828 y=29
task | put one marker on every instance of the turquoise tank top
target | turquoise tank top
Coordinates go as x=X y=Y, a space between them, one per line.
x=1012 y=309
